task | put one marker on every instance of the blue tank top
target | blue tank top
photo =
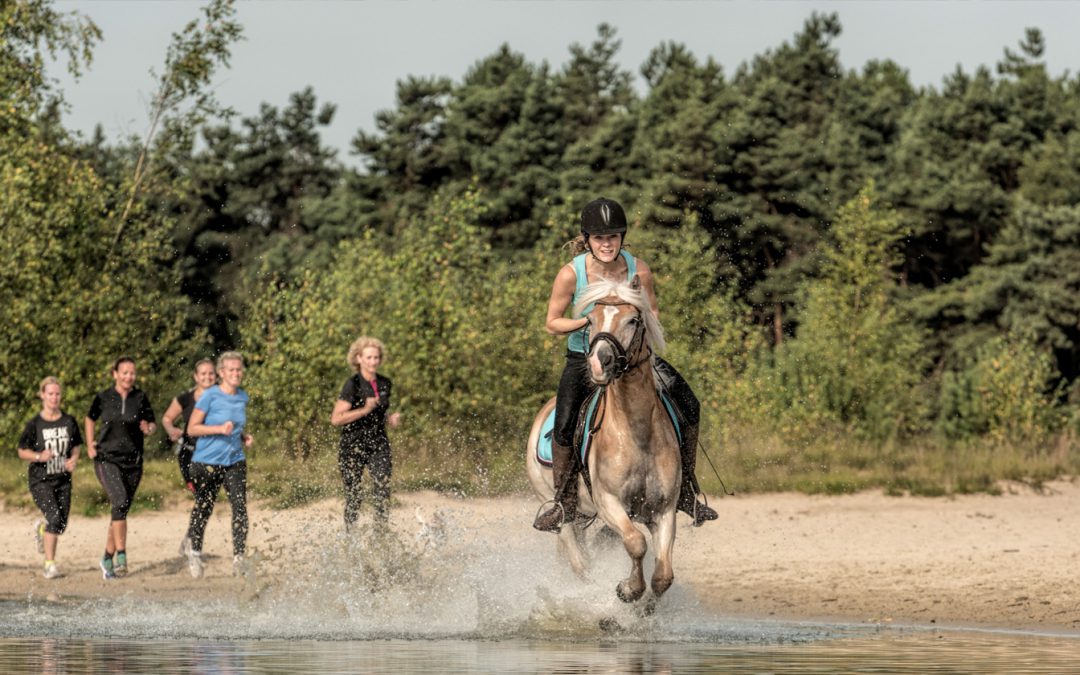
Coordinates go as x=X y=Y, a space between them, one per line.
x=579 y=339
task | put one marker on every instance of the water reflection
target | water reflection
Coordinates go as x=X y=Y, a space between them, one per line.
x=890 y=651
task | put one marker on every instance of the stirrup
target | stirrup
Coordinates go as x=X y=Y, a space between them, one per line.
x=702 y=513
x=562 y=517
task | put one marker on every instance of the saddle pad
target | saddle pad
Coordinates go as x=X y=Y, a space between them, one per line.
x=547 y=429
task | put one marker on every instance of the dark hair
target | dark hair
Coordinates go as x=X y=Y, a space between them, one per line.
x=120 y=361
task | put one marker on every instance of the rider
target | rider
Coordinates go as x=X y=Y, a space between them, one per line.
x=599 y=255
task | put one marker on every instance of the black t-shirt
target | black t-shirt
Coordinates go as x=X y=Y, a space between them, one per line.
x=187 y=405
x=119 y=439
x=60 y=436
x=371 y=428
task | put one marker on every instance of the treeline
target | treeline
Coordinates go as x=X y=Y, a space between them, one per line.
x=843 y=259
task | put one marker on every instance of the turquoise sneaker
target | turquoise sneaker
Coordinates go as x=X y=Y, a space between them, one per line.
x=106 y=565
x=120 y=563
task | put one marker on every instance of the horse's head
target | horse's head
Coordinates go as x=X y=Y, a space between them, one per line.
x=622 y=327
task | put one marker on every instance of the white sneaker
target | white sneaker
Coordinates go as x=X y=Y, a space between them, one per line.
x=185 y=546
x=239 y=566
x=51 y=570
x=39 y=534
x=195 y=564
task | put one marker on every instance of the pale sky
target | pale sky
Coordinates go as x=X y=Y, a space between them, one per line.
x=353 y=53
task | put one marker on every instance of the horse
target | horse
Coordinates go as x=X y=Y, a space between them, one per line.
x=634 y=469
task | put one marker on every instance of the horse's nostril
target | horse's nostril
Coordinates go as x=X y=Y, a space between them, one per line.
x=606 y=358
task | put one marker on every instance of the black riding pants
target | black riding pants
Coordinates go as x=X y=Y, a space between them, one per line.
x=575 y=386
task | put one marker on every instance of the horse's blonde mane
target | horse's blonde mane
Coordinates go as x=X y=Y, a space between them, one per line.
x=599 y=290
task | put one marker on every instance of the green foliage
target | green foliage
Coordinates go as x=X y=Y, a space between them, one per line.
x=1004 y=394
x=822 y=330
x=857 y=361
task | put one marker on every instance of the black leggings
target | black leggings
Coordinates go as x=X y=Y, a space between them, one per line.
x=53 y=497
x=208 y=480
x=120 y=484
x=575 y=386
x=352 y=463
x=183 y=457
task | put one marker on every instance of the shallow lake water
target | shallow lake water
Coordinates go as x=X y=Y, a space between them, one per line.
x=356 y=607
x=132 y=636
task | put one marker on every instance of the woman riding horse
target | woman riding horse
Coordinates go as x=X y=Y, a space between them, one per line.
x=600 y=256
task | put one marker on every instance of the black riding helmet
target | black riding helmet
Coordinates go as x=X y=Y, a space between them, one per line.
x=603 y=216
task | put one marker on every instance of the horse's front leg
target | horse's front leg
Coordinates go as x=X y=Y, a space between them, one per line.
x=614 y=514
x=663 y=532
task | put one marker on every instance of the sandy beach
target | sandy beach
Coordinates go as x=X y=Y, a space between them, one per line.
x=1006 y=562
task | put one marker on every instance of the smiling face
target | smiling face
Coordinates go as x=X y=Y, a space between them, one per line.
x=205 y=377
x=605 y=246
x=50 y=397
x=124 y=375
x=231 y=372
x=369 y=360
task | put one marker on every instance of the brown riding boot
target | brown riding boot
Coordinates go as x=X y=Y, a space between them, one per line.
x=689 y=489
x=564 y=472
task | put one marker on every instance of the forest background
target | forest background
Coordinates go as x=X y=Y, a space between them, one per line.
x=868 y=283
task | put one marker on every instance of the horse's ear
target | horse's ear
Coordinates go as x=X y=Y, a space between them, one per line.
x=635 y=283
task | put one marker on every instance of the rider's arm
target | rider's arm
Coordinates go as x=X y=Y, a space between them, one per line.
x=562 y=293
x=646 y=277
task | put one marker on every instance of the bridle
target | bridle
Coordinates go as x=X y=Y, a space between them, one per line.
x=622 y=355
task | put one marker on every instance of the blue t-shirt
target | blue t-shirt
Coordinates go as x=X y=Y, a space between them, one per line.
x=221 y=450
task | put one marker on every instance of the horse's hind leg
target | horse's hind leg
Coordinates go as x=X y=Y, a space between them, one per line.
x=632 y=587
x=570 y=547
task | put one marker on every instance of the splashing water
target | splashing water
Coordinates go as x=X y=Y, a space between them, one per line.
x=445 y=581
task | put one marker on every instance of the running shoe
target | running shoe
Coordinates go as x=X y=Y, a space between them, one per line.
x=239 y=566
x=120 y=563
x=51 y=571
x=39 y=534
x=106 y=565
x=195 y=564
x=185 y=546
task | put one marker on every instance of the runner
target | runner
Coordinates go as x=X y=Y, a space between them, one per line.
x=50 y=443
x=361 y=412
x=181 y=408
x=117 y=450
x=217 y=424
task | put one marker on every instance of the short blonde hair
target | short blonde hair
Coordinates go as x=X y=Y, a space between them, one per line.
x=46 y=382
x=359 y=345
x=229 y=356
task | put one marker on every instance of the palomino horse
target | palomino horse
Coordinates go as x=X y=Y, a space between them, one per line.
x=633 y=456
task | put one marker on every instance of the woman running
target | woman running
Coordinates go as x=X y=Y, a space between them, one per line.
x=50 y=443
x=217 y=425
x=361 y=412
x=116 y=447
x=180 y=408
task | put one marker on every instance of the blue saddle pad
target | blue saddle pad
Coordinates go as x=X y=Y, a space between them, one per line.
x=547 y=429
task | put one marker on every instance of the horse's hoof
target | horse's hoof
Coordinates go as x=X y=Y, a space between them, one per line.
x=625 y=595
x=610 y=625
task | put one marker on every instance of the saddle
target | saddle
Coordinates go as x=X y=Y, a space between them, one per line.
x=585 y=428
